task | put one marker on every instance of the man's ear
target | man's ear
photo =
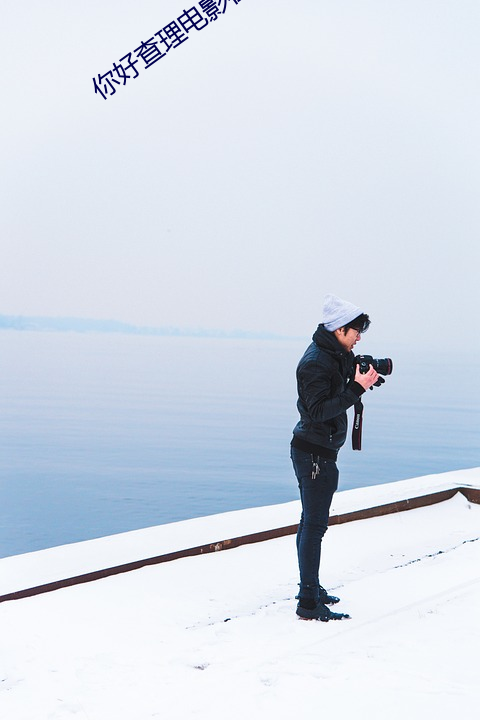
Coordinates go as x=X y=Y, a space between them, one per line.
x=339 y=332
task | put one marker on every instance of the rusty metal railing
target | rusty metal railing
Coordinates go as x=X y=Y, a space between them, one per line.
x=472 y=495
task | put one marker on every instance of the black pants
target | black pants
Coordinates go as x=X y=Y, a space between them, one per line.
x=316 y=494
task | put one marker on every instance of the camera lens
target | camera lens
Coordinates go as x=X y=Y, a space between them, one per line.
x=383 y=366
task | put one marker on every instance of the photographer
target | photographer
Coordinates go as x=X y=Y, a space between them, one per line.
x=329 y=382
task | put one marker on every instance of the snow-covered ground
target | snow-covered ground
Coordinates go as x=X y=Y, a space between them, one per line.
x=216 y=636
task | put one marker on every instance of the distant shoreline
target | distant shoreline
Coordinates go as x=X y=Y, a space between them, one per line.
x=89 y=325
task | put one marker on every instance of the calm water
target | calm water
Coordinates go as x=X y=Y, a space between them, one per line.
x=106 y=433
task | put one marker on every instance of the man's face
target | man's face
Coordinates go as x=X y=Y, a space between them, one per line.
x=347 y=339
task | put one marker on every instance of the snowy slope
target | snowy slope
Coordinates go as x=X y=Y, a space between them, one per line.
x=37 y=568
x=216 y=636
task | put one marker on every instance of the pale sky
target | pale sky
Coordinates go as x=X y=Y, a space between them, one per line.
x=286 y=150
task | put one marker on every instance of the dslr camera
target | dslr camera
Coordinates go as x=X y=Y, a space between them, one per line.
x=383 y=366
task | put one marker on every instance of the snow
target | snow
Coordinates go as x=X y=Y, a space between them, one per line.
x=37 y=568
x=216 y=636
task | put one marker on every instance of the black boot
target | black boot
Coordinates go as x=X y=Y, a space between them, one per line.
x=323 y=597
x=327 y=599
x=318 y=612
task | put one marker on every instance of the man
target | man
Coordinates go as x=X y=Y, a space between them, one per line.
x=328 y=385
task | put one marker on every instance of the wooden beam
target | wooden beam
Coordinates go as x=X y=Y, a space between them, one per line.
x=472 y=495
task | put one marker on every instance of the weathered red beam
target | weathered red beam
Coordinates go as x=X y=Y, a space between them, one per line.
x=472 y=495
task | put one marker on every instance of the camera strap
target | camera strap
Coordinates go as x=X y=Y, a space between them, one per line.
x=357 y=426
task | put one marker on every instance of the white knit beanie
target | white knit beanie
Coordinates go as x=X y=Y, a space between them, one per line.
x=338 y=312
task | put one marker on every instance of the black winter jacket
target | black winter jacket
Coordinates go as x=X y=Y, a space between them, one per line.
x=326 y=389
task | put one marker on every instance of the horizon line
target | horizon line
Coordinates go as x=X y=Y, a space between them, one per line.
x=46 y=323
